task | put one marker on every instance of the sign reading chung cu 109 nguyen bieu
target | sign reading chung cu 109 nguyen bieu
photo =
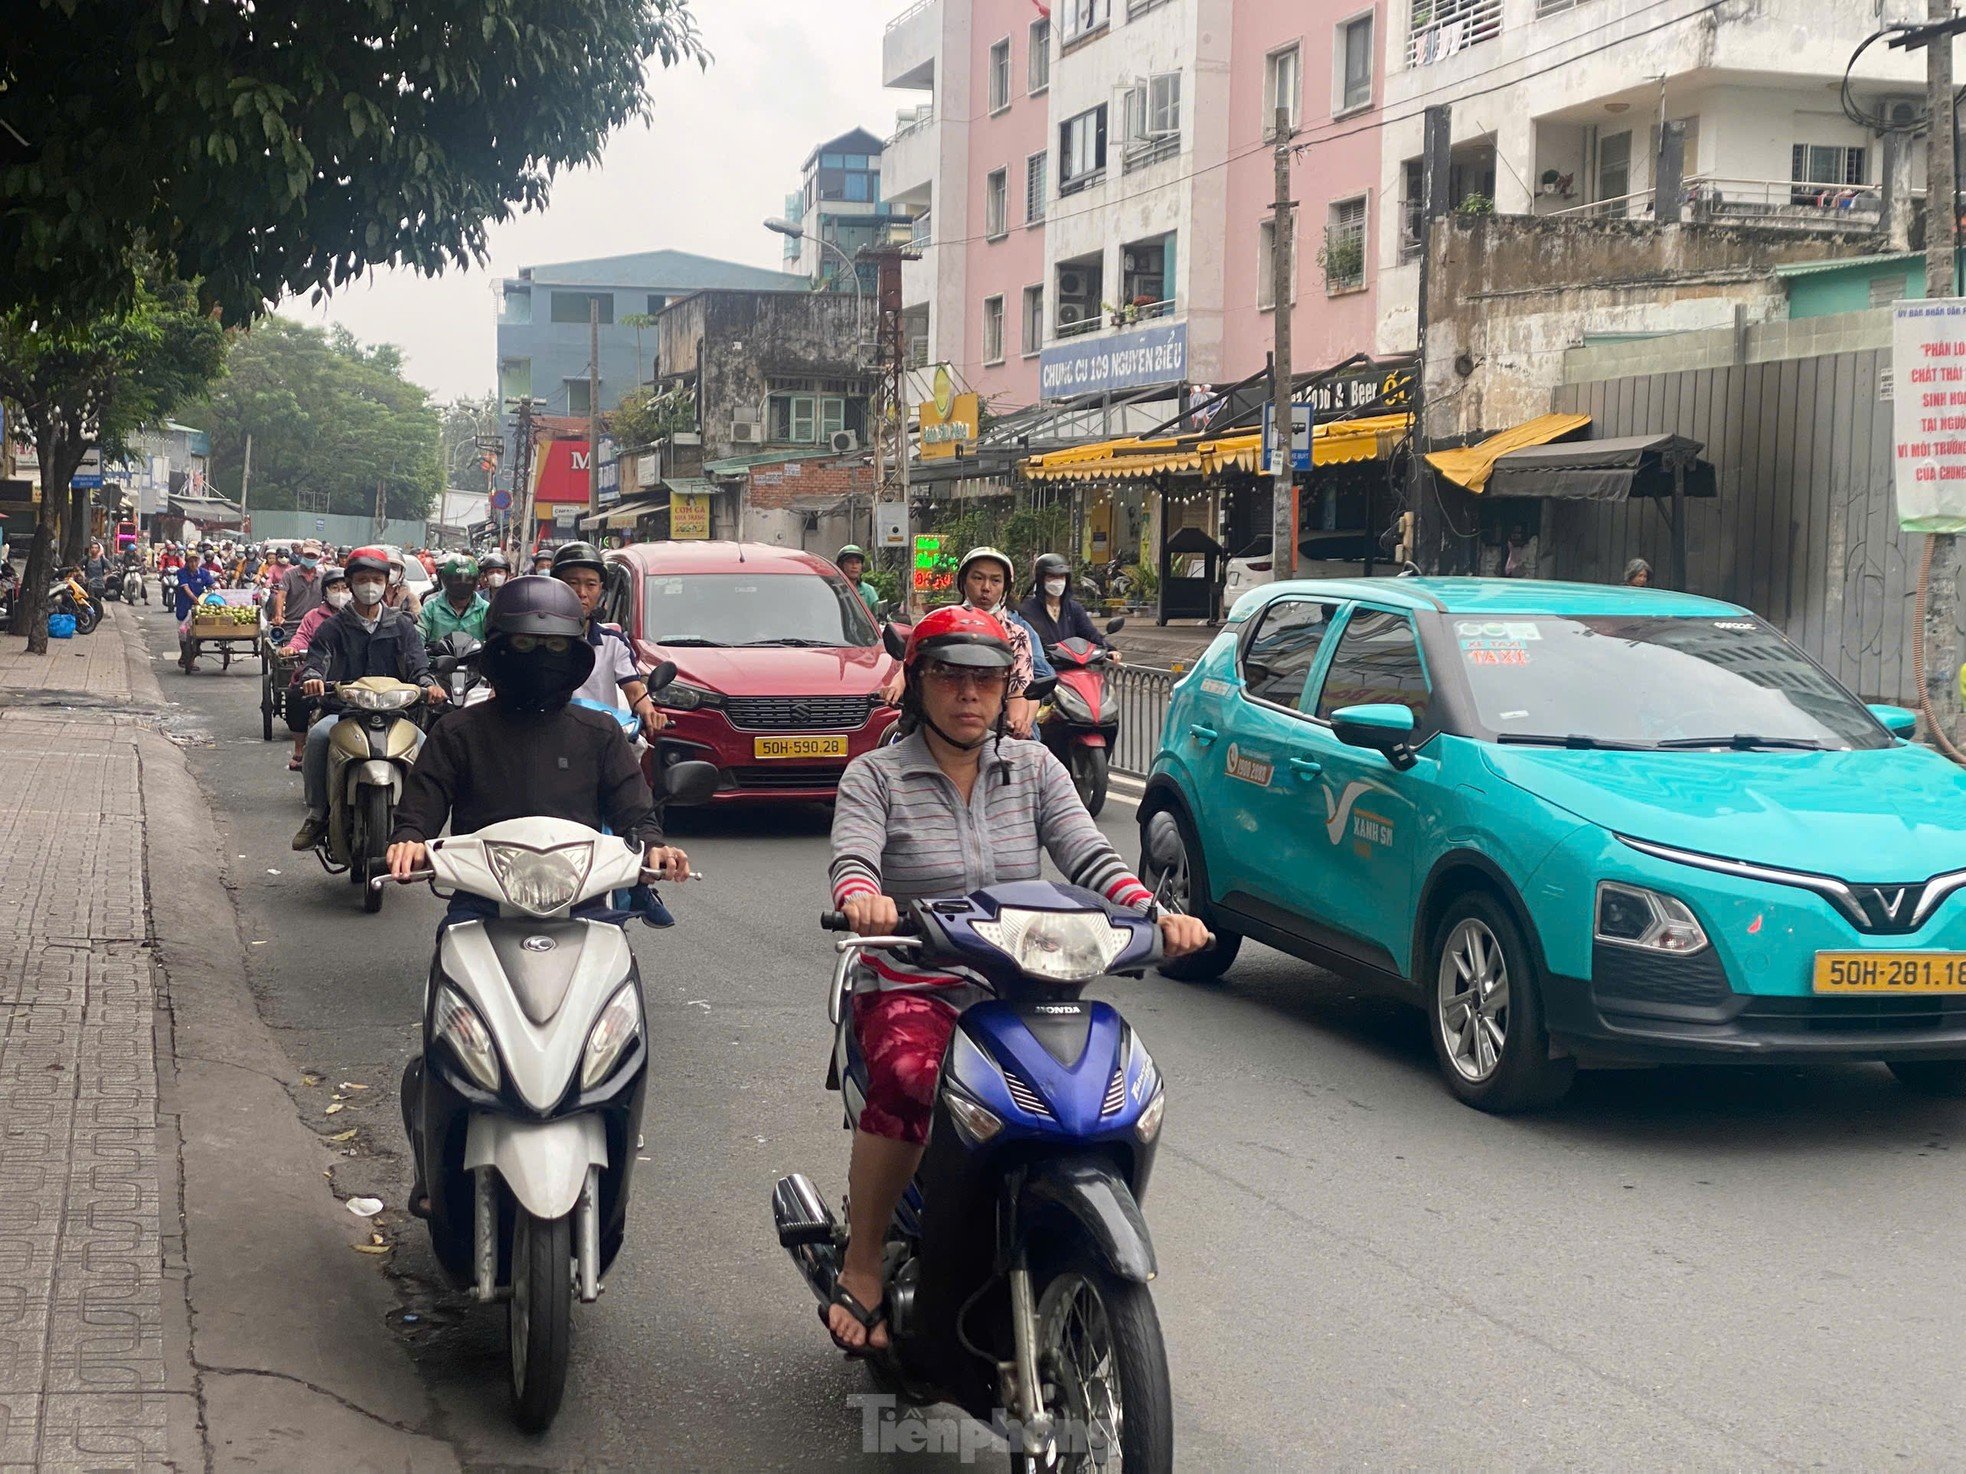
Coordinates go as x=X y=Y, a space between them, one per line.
x=1928 y=414
x=1135 y=359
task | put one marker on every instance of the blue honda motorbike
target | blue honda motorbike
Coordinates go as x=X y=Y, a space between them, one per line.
x=1018 y=1263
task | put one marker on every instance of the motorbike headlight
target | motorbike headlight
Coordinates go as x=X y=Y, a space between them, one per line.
x=976 y=1123
x=539 y=881
x=614 y=1030
x=458 y=1025
x=363 y=700
x=1066 y=946
x=1631 y=916
x=681 y=696
x=1071 y=704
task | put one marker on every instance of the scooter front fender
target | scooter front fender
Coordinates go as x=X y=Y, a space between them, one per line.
x=1092 y=1191
x=544 y=1162
x=374 y=773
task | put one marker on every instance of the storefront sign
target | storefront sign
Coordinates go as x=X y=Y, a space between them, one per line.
x=1347 y=396
x=1928 y=414
x=560 y=471
x=934 y=564
x=1135 y=359
x=950 y=421
x=88 y=476
x=689 y=515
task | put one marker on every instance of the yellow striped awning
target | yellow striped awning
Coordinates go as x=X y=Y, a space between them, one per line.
x=1469 y=466
x=1196 y=455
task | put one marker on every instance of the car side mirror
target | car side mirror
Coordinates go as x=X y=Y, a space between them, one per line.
x=690 y=783
x=1114 y=626
x=661 y=676
x=1899 y=721
x=1383 y=727
x=894 y=637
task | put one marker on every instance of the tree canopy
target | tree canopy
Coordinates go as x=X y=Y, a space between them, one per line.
x=329 y=416
x=288 y=146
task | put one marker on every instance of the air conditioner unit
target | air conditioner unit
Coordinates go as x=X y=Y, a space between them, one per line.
x=844 y=441
x=1070 y=314
x=1071 y=283
x=1902 y=112
x=746 y=432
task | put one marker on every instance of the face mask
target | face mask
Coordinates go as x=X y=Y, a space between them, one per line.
x=1055 y=587
x=395 y=577
x=494 y=580
x=338 y=599
x=368 y=592
x=540 y=681
x=310 y=562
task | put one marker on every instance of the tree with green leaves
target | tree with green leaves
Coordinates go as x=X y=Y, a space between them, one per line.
x=645 y=415
x=331 y=418
x=81 y=385
x=289 y=146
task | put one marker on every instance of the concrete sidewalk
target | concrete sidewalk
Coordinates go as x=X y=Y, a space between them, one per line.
x=177 y=1287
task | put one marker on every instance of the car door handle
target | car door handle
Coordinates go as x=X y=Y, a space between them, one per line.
x=1201 y=734
x=1305 y=767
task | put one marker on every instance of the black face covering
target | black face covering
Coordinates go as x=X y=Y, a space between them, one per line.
x=541 y=681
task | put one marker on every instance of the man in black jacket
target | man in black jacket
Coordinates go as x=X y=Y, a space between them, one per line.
x=366 y=638
x=1053 y=612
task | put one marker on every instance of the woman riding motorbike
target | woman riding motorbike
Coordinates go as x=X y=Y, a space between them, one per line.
x=1053 y=613
x=334 y=598
x=949 y=809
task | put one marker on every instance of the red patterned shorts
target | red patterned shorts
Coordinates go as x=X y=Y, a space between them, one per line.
x=902 y=1036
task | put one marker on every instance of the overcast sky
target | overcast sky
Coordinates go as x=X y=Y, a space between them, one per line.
x=722 y=153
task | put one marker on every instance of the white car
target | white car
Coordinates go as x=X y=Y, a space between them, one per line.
x=1319 y=555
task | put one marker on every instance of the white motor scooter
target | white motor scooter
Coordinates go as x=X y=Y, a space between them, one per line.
x=525 y=1107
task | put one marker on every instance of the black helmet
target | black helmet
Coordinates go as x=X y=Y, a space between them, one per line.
x=1050 y=565
x=494 y=562
x=535 y=605
x=577 y=555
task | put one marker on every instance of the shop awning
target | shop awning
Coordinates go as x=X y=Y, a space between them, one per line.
x=689 y=486
x=202 y=509
x=1336 y=443
x=1603 y=470
x=1470 y=465
x=624 y=515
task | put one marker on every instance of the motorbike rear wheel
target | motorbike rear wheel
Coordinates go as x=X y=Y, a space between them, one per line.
x=371 y=849
x=539 y=1316
x=1089 y=776
x=1104 y=1368
x=87 y=617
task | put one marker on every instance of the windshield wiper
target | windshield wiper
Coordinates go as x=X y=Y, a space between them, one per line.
x=795 y=640
x=1577 y=740
x=1746 y=742
x=689 y=640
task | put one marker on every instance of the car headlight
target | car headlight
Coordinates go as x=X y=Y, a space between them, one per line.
x=976 y=1123
x=1066 y=946
x=539 y=881
x=1631 y=916
x=681 y=696
x=614 y=1030
x=457 y=1023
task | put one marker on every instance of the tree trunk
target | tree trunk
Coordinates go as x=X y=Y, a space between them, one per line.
x=60 y=455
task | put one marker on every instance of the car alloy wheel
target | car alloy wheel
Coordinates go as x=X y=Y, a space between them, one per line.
x=1472 y=1000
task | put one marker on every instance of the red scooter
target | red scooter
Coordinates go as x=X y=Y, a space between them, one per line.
x=1080 y=723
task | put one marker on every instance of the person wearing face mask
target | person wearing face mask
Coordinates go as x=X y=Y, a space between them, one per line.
x=299 y=590
x=1053 y=613
x=462 y=607
x=399 y=595
x=493 y=571
x=365 y=638
x=300 y=711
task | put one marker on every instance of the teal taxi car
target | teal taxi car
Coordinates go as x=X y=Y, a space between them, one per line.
x=1577 y=825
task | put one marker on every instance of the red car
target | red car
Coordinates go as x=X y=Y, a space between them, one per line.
x=779 y=665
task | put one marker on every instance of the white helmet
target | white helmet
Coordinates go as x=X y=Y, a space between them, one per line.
x=979 y=555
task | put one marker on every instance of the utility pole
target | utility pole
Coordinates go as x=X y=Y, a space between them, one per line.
x=1435 y=167
x=1283 y=505
x=246 y=482
x=593 y=406
x=522 y=491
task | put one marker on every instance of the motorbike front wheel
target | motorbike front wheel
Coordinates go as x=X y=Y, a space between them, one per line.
x=87 y=617
x=372 y=846
x=539 y=1316
x=1089 y=776
x=1104 y=1368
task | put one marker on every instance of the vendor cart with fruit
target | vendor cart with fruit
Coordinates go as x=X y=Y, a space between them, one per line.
x=225 y=623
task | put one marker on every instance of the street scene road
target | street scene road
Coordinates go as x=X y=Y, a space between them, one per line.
x=1679 y=1268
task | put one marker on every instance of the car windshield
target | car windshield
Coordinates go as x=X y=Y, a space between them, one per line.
x=1646 y=681
x=756 y=609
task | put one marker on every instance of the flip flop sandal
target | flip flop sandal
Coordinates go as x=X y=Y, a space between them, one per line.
x=868 y=1319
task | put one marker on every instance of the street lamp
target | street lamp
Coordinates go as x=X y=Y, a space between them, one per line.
x=797 y=232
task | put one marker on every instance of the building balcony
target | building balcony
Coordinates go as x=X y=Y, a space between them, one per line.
x=911 y=159
x=1789 y=204
x=911 y=46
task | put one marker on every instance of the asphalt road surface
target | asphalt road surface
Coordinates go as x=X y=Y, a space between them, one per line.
x=1678 y=1268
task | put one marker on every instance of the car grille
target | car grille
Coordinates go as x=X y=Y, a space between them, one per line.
x=776 y=776
x=1026 y=1099
x=798 y=713
x=1115 y=1094
x=1627 y=975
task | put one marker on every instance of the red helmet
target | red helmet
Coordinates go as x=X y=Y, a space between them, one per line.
x=960 y=636
x=367 y=560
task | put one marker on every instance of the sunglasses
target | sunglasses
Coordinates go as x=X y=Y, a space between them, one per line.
x=552 y=644
x=979 y=678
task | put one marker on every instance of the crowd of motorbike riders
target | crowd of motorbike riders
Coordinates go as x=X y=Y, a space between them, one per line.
x=964 y=686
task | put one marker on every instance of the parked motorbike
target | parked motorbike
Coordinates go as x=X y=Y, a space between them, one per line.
x=524 y=1109
x=1079 y=723
x=71 y=596
x=370 y=751
x=1017 y=1265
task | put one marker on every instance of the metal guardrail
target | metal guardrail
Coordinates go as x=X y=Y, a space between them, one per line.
x=1140 y=694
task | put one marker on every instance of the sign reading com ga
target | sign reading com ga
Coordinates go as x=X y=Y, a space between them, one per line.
x=1928 y=414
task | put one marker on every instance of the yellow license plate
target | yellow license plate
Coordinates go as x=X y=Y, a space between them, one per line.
x=1890 y=972
x=797 y=747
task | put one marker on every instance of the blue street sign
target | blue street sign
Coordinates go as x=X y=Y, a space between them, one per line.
x=501 y=500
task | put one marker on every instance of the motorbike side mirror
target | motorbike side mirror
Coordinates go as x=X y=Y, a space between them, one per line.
x=661 y=676
x=882 y=609
x=444 y=665
x=1163 y=842
x=895 y=638
x=690 y=783
x=1114 y=626
x=1039 y=689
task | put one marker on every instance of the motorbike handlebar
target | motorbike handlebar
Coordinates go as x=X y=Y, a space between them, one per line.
x=650 y=877
x=834 y=921
x=376 y=883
